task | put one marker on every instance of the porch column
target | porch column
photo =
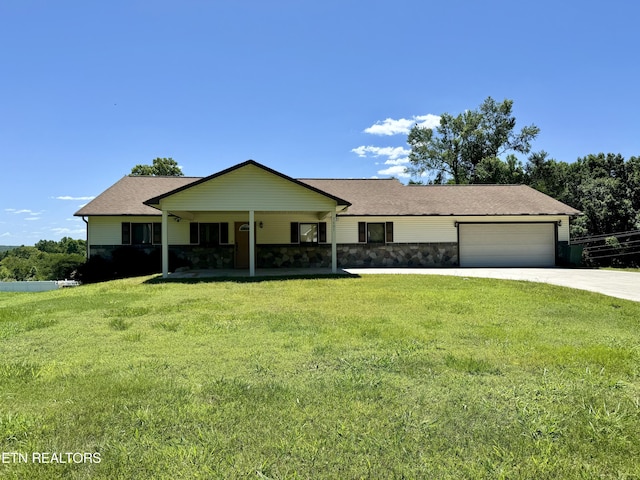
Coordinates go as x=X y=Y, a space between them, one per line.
x=165 y=243
x=334 y=248
x=252 y=246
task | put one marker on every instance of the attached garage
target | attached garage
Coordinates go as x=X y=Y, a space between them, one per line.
x=507 y=244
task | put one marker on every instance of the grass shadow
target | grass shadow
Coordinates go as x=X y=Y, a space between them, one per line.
x=246 y=279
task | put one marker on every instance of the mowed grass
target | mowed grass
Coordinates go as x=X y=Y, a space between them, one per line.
x=374 y=377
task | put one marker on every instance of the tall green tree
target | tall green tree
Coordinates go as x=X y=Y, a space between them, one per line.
x=167 y=167
x=455 y=148
x=66 y=245
x=494 y=170
x=633 y=186
x=549 y=176
x=597 y=185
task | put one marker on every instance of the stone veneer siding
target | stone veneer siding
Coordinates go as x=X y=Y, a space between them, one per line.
x=398 y=255
x=313 y=256
x=360 y=255
x=221 y=256
x=296 y=256
x=192 y=255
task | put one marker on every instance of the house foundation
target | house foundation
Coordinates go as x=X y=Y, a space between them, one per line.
x=307 y=256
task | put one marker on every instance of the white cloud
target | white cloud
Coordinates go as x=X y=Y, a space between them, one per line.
x=392 y=153
x=397 y=161
x=396 y=158
x=361 y=151
x=392 y=126
x=32 y=218
x=67 y=231
x=395 y=171
x=427 y=121
x=5 y=234
x=23 y=210
x=67 y=197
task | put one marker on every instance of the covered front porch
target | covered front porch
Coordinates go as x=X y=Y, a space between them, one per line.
x=247 y=208
x=228 y=240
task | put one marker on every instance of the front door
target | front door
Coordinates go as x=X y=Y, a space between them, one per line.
x=242 y=244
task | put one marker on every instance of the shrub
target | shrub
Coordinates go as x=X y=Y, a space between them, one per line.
x=126 y=262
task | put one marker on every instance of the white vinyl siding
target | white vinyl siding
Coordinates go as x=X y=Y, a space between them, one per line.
x=277 y=225
x=108 y=230
x=507 y=245
x=436 y=229
x=347 y=227
x=248 y=188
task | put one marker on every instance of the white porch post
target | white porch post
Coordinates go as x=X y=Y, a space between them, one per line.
x=334 y=248
x=165 y=244
x=252 y=246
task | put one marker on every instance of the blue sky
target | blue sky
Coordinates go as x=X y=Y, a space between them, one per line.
x=310 y=88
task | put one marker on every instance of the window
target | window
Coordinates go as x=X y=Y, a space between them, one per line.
x=208 y=234
x=141 y=233
x=126 y=233
x=157 y=233
x=375 y=232
x=308 y=232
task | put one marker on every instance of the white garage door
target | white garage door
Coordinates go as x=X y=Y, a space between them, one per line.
x=507 y=245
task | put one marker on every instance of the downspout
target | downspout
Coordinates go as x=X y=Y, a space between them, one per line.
x=86 y=243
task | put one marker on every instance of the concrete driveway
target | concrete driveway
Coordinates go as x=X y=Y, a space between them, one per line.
x=608 y=282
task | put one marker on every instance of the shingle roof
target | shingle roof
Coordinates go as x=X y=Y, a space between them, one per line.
x=390 y=197
x=127 y=195
x=367 y=197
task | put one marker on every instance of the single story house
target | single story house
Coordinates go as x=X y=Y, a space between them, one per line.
x=250 y=216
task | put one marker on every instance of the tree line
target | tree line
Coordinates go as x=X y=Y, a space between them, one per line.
x=47 y=260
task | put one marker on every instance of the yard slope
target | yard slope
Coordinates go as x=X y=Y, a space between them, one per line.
x=372 y=377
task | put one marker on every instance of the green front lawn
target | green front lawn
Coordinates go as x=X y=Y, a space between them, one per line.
x=374 y=377
x=623 y=269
